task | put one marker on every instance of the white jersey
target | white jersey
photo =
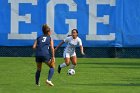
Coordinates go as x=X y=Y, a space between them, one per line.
x=72 y=43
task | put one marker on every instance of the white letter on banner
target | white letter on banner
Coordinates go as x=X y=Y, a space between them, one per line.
x=15 y=18
x=51 y=13
x=93 y=20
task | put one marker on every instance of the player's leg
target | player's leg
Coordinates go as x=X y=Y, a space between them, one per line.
x=66 y=63
x=73 y=60
x=51 y=64
x=38 y=71
x=50 y=74
x=51 y=70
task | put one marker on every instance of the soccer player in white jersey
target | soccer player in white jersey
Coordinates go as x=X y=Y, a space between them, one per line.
x=69 y=52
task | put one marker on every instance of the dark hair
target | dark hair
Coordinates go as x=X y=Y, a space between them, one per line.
x=45 y=29
x=75 y=30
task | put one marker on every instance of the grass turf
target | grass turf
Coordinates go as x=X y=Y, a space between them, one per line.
x=93 y=75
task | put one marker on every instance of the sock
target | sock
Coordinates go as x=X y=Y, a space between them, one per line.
x=72 y=66
x=51 y=72
x=37 y=76
x=63 y=65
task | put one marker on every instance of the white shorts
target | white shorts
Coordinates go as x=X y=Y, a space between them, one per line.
x=68 y=55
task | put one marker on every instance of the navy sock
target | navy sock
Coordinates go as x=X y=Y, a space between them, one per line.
x=37 y=76
x=51 y=72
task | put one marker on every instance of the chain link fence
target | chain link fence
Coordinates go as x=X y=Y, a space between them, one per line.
x=91 y=52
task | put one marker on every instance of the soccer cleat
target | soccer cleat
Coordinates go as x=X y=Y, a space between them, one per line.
x=59 y=69
x=49 y=83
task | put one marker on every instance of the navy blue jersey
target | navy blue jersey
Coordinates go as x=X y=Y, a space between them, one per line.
x=43 y=43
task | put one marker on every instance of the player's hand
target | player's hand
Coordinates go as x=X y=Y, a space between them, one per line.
x=53 y=59
x=83 y=53
x=55 y=49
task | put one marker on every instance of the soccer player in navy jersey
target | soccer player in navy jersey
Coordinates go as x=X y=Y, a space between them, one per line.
x=43 y=44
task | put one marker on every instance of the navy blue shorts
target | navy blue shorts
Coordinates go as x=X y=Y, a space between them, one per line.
x=43 y=58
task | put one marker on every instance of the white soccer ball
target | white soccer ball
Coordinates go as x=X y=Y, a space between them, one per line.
x=71 y=72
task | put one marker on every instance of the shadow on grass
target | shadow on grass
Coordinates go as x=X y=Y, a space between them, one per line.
x=113 y=63
x=108 y=84
x=117 y=67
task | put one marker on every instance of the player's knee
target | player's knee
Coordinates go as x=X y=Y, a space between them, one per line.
x=52 y=65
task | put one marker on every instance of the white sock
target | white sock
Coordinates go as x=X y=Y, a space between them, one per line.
x=63 y=65
x=72 y=66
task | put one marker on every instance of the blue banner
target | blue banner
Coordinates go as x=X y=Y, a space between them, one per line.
x=101 y=23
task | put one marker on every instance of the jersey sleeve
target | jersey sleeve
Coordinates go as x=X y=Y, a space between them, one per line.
x=80 y=42
x=66 y=40
x=37 y=38
x=51 y=38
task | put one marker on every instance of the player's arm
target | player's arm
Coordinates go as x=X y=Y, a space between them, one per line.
x=52 y=47
x=52 y=64
x=60 y=44
x=81 y=47
x=35 y=44
x=82 y=50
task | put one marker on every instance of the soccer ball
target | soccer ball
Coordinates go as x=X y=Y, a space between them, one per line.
x=71 y=72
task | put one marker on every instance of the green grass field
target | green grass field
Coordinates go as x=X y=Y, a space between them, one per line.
x=93 y=75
